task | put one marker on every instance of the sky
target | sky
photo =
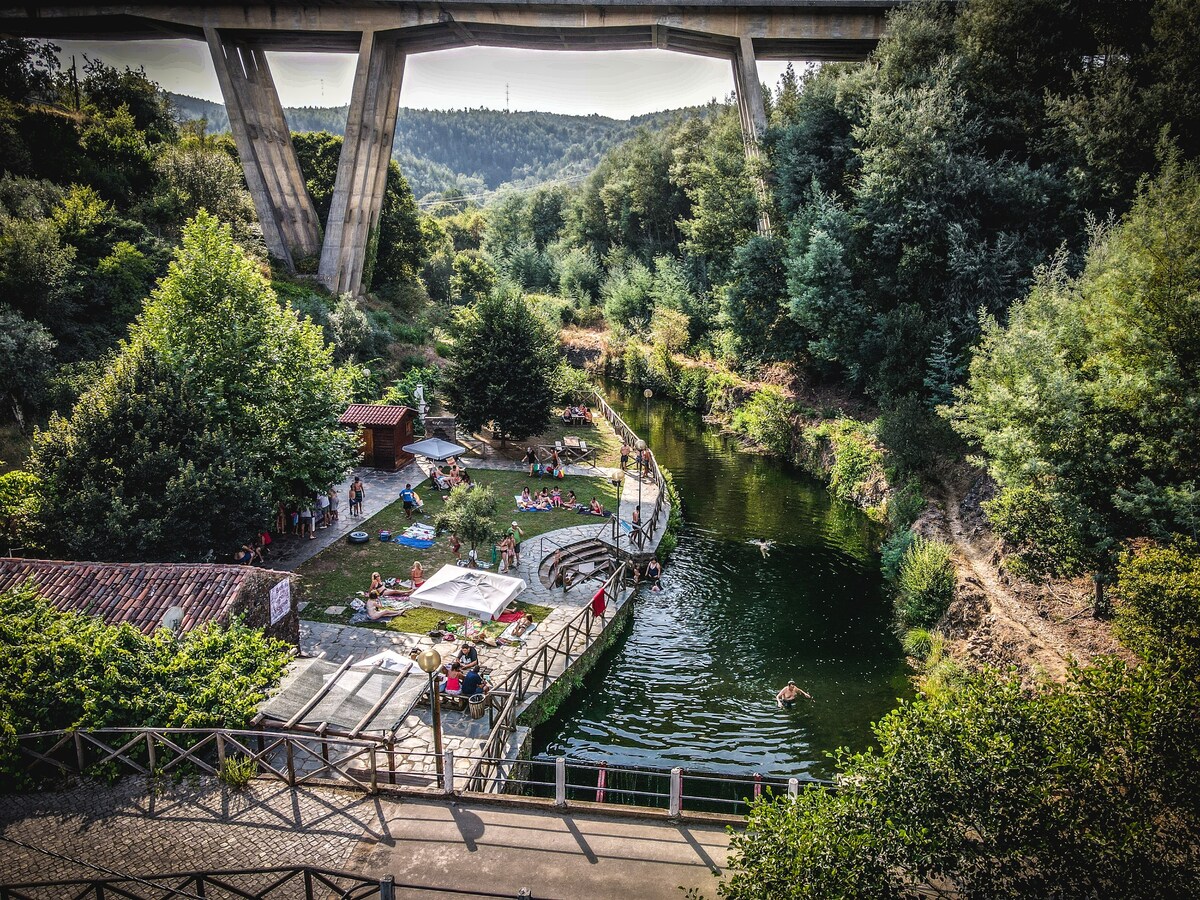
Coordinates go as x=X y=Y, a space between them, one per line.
x=617 y=83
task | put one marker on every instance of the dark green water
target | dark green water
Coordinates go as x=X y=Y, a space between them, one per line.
x=692 y=681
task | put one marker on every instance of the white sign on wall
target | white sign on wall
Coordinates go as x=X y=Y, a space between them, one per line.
x=281 y=600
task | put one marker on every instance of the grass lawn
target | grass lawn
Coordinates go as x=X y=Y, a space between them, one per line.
x=335 y=574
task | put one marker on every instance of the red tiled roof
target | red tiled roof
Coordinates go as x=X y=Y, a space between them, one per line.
x=137 y=593
x=366 y=414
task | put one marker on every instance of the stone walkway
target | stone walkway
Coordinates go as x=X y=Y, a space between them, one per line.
x=289 y=552
x=458 y=846
x=190 y=825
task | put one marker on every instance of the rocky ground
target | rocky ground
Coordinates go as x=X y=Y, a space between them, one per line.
x=999 y=619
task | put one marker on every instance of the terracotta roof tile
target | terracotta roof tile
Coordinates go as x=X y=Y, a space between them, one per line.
x=137 y=593
x=367 y=414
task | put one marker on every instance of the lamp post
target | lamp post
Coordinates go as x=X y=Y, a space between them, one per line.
x=618 y=481
x=430 y=661
x=641 y=448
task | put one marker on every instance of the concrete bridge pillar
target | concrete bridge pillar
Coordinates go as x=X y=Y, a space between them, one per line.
x=363 y=164
x=289 y=221
x=753 y=112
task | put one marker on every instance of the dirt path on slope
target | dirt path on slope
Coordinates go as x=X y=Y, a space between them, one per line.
x=997 y=619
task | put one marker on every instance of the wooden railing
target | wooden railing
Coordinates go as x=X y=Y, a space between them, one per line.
x=278 y=883
x=535 y=673
x=289 y=757
x=643 y=533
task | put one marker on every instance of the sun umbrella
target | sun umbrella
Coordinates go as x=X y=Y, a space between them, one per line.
x=434 y=448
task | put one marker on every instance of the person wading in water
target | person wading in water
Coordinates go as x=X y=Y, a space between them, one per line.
x=786 y=698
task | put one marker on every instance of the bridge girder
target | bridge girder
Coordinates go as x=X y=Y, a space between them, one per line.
x=384 y=33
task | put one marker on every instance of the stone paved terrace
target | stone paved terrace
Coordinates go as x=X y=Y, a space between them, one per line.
x=191 y=825
x=135 y=829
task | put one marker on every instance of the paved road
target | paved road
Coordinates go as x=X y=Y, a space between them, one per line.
x=567 y=857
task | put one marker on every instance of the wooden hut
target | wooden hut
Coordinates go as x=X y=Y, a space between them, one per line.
x=384 y=431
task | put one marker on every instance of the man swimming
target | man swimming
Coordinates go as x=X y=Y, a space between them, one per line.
x=786 y=698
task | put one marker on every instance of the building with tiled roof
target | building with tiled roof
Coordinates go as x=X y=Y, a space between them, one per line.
x=384 y=431
x=142 y=594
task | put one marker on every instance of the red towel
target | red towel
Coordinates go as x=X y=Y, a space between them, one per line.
x=513 y=616
x=599 y=603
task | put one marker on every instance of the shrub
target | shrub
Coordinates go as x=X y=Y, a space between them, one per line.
x=1159 y=617
x=721 y=390
x=905 y=505
x=571 y=385
x=70 y=670
x=693 y=384
x=237 y=771
x=855 y=458
x=892 y=554
x=926 y=582
x=917 y=643
x=766 y=419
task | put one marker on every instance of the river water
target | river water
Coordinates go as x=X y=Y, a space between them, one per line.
x=692 y=681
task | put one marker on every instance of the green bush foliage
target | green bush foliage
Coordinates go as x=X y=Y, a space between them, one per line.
x=925 y=583
x=766 y=419
x=237 y=771
x=1159 y=615
x=905 y=505
x=1082 y=789
x=70 y=670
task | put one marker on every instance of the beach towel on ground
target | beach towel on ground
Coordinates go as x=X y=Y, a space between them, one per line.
x=513 y=616
x=415 y=543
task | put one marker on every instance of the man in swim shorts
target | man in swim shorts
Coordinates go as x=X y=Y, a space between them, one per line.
x=786 y=698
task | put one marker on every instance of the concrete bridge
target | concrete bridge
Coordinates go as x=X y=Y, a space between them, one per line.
x=385 y=33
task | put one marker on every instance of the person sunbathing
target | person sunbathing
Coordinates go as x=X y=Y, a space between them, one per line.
x=556 y=498
x=417 y=574
x=526 y=497
x=440 y=481
x=377 y=611
x=380 y=589
x=571 y=501
x=595 y=508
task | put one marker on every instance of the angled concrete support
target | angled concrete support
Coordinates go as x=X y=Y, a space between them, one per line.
x=753 y=112
x=285 y=211
x=363 y=164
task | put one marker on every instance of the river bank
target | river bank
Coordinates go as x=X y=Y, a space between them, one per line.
x=995 y=618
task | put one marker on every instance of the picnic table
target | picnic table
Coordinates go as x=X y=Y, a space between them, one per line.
x=572 y=449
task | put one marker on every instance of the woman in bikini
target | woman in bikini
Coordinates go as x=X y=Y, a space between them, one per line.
x=417 y=574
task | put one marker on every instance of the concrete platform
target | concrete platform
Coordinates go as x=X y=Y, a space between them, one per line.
x=482 y=847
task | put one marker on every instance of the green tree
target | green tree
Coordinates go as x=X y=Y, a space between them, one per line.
x=145 y=469
x=755 y=302
x=996 y=790
x=473 y=278
x=1083 y=404
x=501 y=367
x=215 y=318
x=470 y=512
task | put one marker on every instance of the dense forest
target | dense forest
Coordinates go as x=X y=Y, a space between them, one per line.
x=474 y=150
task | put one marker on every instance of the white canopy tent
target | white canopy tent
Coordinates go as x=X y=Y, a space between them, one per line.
x=434 y=448
x=468 y=592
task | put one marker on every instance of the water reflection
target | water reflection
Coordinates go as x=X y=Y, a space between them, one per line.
x=692 y=682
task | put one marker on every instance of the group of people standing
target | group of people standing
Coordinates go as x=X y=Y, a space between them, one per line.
x=642 y=460
x=306 y=517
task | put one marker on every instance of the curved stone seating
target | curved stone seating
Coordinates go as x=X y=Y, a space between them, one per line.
x=581 y=561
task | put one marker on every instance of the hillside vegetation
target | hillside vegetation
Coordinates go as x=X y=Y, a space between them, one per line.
x=474 y=150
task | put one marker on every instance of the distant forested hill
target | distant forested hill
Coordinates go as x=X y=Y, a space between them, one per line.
x=475 y=149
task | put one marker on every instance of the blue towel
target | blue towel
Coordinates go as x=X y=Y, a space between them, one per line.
x=535 y=509
x=413 y=542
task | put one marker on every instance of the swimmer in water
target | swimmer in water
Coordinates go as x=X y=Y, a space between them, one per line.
x=763 y=546
x=786 y=698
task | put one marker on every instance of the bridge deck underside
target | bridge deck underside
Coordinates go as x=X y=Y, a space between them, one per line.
x=838 y=31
